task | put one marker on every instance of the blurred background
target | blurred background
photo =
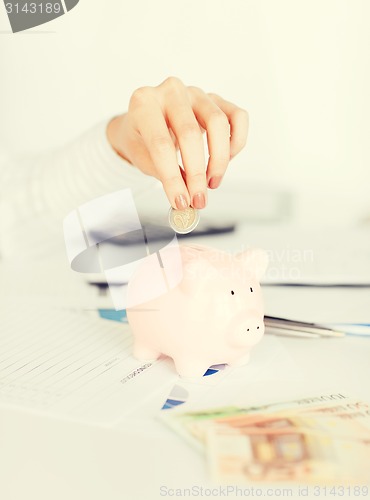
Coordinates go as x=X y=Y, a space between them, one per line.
x=301 y=69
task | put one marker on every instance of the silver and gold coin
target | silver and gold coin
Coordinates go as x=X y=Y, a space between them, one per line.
x=183 y=221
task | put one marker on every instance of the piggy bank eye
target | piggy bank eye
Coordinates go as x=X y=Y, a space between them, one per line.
x=251 y=289
x=232 y=292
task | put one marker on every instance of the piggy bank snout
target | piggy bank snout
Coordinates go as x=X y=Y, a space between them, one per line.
x=247 y=329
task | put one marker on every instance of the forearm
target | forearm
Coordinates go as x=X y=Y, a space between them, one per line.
x=36 y=195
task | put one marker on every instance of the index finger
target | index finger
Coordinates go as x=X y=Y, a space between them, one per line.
x=153 y=129
x=185 y=126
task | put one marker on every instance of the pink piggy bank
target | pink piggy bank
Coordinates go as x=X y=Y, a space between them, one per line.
x=210 y=311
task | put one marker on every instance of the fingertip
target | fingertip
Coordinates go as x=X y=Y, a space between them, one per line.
x=181 y=203
x=214 y=182
x=199 y=201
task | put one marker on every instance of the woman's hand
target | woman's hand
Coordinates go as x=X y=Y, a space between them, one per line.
x=161 y=120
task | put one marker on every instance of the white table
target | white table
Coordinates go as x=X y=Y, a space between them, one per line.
x=50 y=458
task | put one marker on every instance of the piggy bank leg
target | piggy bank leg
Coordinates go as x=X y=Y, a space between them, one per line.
x=190 y=369
x=240 y=361
x=142 y=352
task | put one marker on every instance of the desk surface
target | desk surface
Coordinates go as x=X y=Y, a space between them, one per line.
x=58 y=459
x=45 y=457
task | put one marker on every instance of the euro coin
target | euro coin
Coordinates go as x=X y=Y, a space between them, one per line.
x=183 y=221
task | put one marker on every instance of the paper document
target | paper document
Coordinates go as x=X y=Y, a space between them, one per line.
x=69 y=365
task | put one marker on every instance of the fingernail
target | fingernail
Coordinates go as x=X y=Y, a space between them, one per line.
x=181 y=203
x=214 y=182
x=199 y=200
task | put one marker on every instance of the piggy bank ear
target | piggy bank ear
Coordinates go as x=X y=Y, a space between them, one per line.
x=195 y=273
x=254 y=261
